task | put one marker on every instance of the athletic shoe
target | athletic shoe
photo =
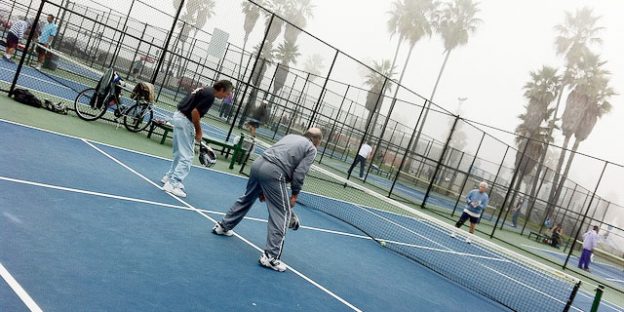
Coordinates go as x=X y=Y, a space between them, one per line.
x=453 y=235
x=271 y=263
x=219 y=230
x=177 y=191
x=38 y=67
x=164 y=179
x=468 y=241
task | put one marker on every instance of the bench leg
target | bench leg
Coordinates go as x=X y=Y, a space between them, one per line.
x=151 y=130
x=164 y=137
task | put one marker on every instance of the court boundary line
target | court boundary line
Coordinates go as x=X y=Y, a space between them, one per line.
x=317 y=285
x=19 y=290
x=170 y=206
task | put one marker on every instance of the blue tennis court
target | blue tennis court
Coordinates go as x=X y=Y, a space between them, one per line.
x=85 y=225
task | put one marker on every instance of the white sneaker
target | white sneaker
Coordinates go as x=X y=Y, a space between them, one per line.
x=453 y=235
x=218 y=229
x=468 y=241
x=177 y=191
x=271 y=263
x=38 y=67
x=164 y=179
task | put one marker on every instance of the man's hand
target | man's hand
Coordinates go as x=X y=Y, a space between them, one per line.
x=262 y=197
x=198 y=136
x=293 y=200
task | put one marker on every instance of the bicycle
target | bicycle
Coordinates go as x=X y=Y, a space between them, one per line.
x=92 y=103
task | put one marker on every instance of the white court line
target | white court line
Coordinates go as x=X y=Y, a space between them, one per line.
x=19 y=291
x=609 y=304
x=137 y=200
x=327 y=291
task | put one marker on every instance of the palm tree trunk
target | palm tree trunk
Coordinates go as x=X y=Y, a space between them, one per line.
x=555 y=183
x=435 y=87
x=564 y=176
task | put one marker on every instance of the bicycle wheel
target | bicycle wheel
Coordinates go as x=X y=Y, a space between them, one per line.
x=138 y=117
x=86 y=106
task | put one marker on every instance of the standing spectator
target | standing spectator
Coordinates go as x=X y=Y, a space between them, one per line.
x=226 y=107
x=286 y=161
x=476 y=201
x=517 y=211
x=361 y=157
x=187 y=127
x=16 y=32
x=590 y=241
x=48 y=31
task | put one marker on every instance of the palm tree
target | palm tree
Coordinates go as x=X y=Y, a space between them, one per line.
x=314 y=65
x=536 y=125
x=196 y=14
x=375 y=80
x=297 y=12
x=252 y=13
x=287 y=54
x=576 y=36
x=586 y=103
x=457 y=22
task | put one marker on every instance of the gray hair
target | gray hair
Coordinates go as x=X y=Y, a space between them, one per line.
x=484 y=184
x=314 y=134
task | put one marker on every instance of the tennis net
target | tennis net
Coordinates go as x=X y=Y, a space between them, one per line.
x=501 y=275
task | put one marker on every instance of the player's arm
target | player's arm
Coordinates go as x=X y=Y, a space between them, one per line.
x=196 y=123
x=299 y=175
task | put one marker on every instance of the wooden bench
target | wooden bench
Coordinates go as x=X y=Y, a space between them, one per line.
x=226 y=148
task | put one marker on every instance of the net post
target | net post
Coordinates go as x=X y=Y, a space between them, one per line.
x=597 y=298
x=26 y=49
x=572 y=296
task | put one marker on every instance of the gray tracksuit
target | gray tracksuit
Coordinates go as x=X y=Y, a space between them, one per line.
x=286 y=161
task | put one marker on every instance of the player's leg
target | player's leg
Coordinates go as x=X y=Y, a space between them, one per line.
x=462 y=220
x=355 y=162
x=240 y=208
x=362 y=165
x=183 y=138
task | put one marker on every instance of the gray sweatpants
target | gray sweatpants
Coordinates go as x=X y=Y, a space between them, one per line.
x=268 y=179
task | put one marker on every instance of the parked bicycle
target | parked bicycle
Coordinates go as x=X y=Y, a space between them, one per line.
x=91 y=104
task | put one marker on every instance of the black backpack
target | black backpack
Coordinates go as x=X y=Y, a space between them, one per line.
x=26 y=97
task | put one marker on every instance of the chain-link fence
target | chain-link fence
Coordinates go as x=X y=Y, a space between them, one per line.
x=289 y=80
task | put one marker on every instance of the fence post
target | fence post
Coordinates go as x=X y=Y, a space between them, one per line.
x=166 y=46
x=474 y=159
x=409 y=147
x=26 y=48
x=320 y=98
x=439 y=164
x=511 y=185
x=331 y=132
x=578 y=232
x=242 y=101
x=369 y=119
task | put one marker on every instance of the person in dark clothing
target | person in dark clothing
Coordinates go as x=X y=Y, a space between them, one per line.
x=258 y=117
x=555 y=239
x=187 y=130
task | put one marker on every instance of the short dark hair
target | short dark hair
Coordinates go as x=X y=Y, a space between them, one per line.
x=223 y=85
x=51 y=15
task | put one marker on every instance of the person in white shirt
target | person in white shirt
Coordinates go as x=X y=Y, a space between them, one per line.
x=590 y=241
x=17 y=31
x=361 y=157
